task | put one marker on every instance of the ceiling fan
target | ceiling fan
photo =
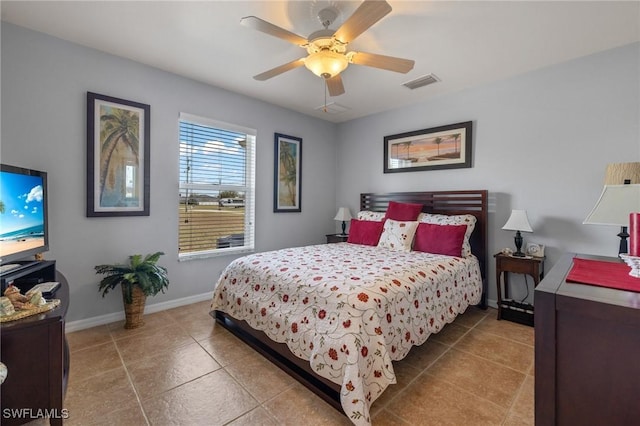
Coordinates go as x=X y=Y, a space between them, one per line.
x=327 y=49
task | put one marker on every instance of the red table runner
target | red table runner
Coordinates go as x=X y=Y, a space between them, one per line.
x=603 y=274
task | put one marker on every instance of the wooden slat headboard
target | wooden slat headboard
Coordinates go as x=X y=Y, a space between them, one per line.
x=450 y=203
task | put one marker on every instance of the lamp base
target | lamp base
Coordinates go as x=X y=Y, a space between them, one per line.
x=623 y=240
x=518 y=241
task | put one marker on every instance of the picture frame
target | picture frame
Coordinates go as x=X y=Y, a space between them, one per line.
x=437 y=148
x=118 y=166
x=287 y=185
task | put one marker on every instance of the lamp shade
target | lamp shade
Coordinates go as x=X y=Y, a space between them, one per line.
x=343 y=214
x=614 y=205
x=326 y=64
x=518 y=221
x=618 y=173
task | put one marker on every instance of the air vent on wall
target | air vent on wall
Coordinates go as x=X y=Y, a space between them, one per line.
x=331 y=108
x=421 y=81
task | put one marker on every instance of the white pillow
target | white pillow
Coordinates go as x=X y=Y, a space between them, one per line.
x=371 y=216
x=463 y=219
x=397 y=235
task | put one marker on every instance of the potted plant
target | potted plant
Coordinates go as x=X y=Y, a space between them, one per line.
x=140 y=278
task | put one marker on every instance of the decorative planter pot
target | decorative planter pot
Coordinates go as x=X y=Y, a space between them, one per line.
x=134 y=311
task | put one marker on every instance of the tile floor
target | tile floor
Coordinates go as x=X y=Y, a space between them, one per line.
x=181 y=368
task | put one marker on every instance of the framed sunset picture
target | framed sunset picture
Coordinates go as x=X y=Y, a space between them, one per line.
x=444 y=147
x=287 y=174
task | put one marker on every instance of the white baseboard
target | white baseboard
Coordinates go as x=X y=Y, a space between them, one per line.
x=492 y=303
x=149 y=309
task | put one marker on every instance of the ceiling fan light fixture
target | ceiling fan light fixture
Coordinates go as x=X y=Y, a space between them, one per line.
x=326 y=64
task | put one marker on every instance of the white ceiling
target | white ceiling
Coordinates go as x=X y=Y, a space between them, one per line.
x=463 y=43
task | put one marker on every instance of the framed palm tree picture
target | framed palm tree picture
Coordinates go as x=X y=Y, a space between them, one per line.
x=287 y=174
x=118 y=139
x=444 y=147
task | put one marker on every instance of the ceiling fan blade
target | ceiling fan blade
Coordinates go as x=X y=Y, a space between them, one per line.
x=273 y=30
x=335 y=86
x=279 y=70
x=380 y=61
x=367 y=14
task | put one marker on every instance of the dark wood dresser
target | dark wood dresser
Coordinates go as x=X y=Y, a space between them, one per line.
x=36 y=354
x=587 y=352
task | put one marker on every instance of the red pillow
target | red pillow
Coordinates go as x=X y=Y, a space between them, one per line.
x=403 y=211
x=365 y=232
x=440 y=239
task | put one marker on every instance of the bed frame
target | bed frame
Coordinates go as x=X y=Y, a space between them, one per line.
x=440 y=202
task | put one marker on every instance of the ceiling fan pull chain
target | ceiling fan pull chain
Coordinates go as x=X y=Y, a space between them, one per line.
x=324 y=80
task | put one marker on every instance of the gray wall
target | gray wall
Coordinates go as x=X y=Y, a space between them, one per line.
x=44 y=85
x=541 y=143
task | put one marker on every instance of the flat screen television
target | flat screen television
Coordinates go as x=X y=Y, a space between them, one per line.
x=23 y=213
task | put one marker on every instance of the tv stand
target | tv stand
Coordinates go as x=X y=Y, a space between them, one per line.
x=28 y=274
x=36 y=354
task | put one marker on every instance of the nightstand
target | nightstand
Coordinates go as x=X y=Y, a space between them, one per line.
x=337 y=238
x=509 y=309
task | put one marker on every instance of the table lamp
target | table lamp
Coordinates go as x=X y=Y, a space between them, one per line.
x=344 y=215
x=613 y=207
x=518 y=222
x=626 y=173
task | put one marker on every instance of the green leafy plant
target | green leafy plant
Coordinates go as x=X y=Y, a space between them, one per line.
x=141 y=272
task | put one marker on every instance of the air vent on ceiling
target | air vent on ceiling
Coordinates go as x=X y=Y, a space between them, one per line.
x=421 y=81
x=331 y=108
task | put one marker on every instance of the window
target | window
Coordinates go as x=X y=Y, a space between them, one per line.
x=217 y=182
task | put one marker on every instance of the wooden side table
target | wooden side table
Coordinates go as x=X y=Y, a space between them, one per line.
x=36 y=355
x=337 y=238
x=533 y=266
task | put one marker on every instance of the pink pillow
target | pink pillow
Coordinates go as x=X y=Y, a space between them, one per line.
x=365 y=232
x=440 y=239
x=403 y=211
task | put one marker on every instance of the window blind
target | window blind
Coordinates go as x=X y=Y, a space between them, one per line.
x=216 y=188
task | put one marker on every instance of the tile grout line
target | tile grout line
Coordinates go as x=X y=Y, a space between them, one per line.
x=112 y=339
x=244 y=389
x=130 y=379
x=515 y=398
x=425 y=371
x=422 y=370
x=224 y=368
x=453 y=346
x=449 y=347
x=398 y=419
x=175 y=321
x=384 y=407
x=526 y=374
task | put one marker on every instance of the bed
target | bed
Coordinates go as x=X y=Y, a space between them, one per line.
x=336 y=316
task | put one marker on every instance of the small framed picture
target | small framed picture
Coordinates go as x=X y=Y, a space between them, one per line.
x=534 y=249
x=287 y=185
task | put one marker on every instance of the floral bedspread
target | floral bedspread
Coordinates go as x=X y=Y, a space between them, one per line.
x=349 y=309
